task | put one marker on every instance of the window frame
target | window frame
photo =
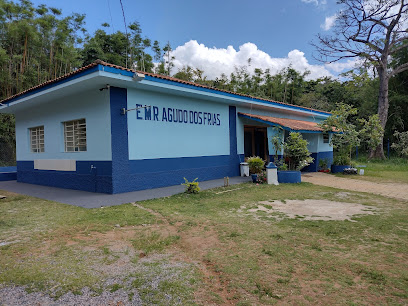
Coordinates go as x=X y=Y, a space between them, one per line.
x=37 y=139
x=324 y=137
x=73 y=140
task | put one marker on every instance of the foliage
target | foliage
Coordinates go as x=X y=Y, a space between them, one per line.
x=296 y=151
x=191 y=187
x=340 y=160
x=256 y=164
x=261 y=179
x=346 y=136
x=277 y=141
x=401 y=144
x=372 y=131
x=375 y=32
x=323 y=163
x=282 y=166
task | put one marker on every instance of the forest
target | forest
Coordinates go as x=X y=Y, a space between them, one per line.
x=37 y=44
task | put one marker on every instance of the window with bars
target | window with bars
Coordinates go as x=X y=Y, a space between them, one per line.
x=37 y=139
x=75 y=135
x=326 y=138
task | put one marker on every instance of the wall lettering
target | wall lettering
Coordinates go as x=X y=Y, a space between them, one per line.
x=176 y=115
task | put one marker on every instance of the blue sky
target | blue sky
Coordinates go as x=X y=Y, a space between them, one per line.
x=274 y=28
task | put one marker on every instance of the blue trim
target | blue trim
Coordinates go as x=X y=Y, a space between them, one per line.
x=120 y=140
x=271 y=165
x=276 y=124
x=94 y=181
x=113 y=70
x=234 y=158
x=53 y=84
x=251 y=99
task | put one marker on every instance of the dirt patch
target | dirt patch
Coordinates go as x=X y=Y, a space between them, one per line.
x=314 y=209
x=392 y=190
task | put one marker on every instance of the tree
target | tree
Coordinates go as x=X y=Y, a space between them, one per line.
x=346 y=136
x=168 y=59
x=372 y=30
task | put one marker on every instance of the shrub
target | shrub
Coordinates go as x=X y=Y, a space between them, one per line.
x=341 y=159
x=191 y=187
x=295 y=149
x=256 y=164
x=401 y=145
x=323 y=163
x=261 y=179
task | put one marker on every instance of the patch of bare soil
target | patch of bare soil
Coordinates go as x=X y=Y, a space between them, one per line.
x=314 y=209
x=193 y=247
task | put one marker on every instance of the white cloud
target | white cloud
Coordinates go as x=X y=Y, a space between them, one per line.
x=215 y=61
x=339 y=67
x=316 y=2
x=329 y=22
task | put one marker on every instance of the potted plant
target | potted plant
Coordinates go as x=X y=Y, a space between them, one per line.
x=323 y=165
x=340 y=162
x=297 y=156
x=256 y=165
x=345 y=135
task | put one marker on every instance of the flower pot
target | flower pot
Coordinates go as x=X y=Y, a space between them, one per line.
x=289 y=176
x=254 y=177
x=338 y=168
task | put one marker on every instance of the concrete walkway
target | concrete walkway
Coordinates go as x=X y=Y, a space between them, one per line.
x=94 y=200
x=392 y=190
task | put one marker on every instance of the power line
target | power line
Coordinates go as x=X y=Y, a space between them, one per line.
x=127 y=38
x=110 y=14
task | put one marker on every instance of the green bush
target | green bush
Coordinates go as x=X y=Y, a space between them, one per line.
x=256 y=164
x=191 y=187
x=401 y=145
x=296 y=151
x=323 y=163
x=341 y=159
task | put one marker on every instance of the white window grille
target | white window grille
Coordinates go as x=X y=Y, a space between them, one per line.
x=75 y=135
x=37 y=139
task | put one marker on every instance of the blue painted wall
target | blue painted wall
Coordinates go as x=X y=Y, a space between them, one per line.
x=91 y=105
x=161 y=153
x=317 y=156
x=162 y=137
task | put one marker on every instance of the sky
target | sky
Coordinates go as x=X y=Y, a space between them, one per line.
x=216 y=35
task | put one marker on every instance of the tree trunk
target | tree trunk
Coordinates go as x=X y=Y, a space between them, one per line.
x=383 y=105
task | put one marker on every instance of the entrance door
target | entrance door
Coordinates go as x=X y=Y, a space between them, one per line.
x=256 y=142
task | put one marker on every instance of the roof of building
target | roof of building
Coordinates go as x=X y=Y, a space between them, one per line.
x=153 y=75
x=291 y=124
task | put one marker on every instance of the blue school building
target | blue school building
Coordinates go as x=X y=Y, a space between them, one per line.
x=105 y=128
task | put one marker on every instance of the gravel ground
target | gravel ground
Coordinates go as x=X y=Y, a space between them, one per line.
x=14 y=296
x=137 y=284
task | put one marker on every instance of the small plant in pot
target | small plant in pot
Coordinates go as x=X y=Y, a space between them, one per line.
x=297 y=155
x=323 y=165
x=256 y=165
x=340 y=162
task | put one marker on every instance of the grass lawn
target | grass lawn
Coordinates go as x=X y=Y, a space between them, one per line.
x=209 y=248
x=389 y=170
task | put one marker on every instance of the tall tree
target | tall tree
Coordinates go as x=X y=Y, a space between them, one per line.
x=372 y=30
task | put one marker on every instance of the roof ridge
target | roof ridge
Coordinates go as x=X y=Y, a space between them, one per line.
x=154 y=75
